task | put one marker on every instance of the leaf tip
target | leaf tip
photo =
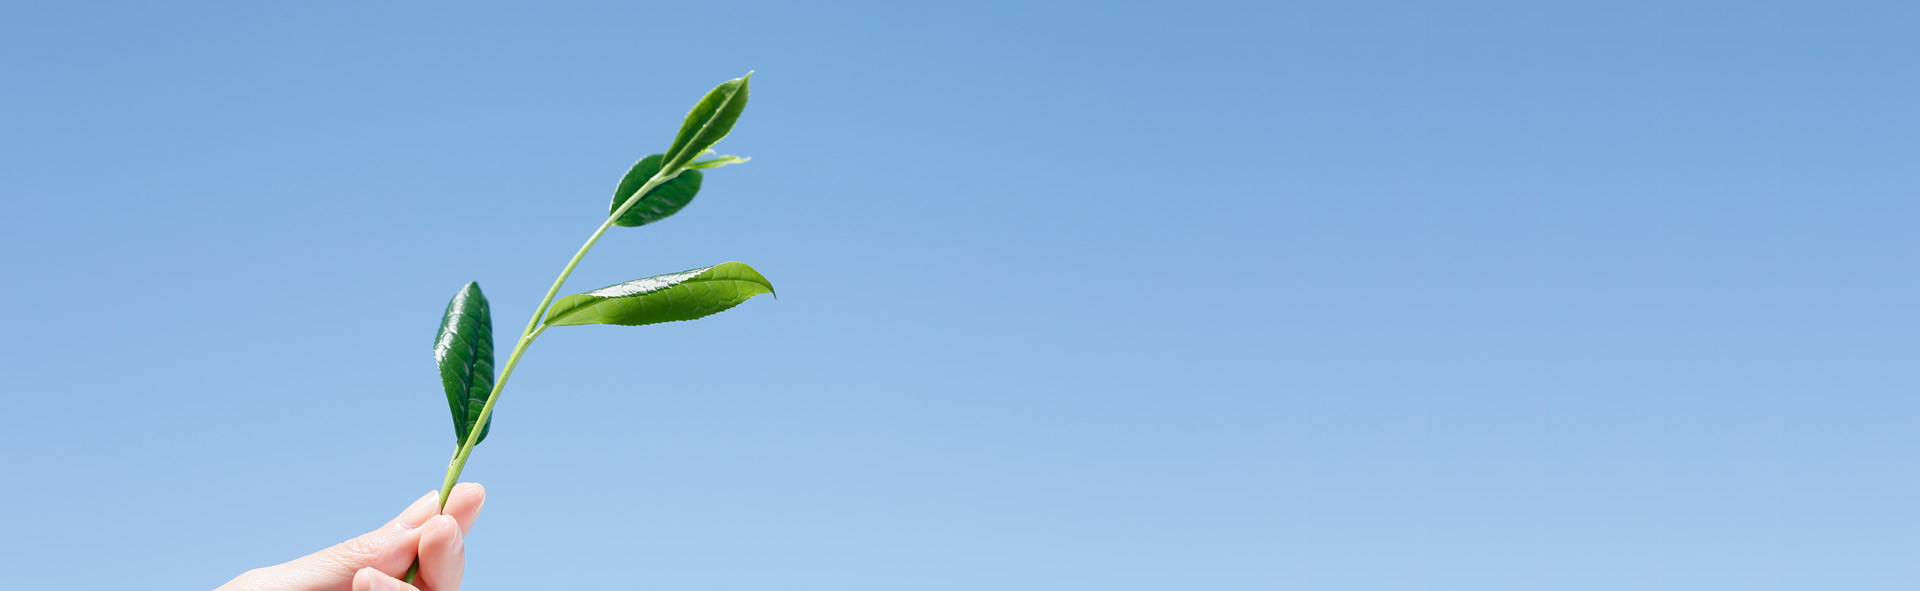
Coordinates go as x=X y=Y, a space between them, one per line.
x=746 y=83
x=762 y=279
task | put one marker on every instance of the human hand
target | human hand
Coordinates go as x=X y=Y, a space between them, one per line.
x=372 y=561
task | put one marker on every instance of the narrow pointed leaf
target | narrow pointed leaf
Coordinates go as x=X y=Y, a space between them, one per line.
x=663 y=298
x=464 y=351
x=658 y=203
x=717 y=162
x=709 y=121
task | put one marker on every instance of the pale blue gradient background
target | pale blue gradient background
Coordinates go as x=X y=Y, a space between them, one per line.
x=1192 y=295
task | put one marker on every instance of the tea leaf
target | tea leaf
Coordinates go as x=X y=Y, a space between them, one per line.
x=709 y=121
x=658 y=203
x=464 y=351
x=662 y=298
x=717 y=162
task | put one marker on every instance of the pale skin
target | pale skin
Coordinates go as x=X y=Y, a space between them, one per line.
x=374 y=560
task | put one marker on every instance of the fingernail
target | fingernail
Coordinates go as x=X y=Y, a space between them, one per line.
x=483 y=499
x=382 y=582
x=448 y=522
x=363 y=578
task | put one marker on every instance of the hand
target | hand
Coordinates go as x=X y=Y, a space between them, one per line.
x=372 y=561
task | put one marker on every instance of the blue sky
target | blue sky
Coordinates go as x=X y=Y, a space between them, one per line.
x=1611 y=295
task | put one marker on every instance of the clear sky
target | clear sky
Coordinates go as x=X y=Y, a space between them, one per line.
x=1117 y=296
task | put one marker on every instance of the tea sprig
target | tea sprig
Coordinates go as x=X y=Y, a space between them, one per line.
x=654 y=188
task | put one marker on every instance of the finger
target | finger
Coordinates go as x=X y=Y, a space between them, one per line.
x=443 y=554
x=465 y=504
x=418 y=512
x=368 y=579
x=390 y=548
x=397 y=553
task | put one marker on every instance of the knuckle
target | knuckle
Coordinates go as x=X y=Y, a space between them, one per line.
x=357 y=552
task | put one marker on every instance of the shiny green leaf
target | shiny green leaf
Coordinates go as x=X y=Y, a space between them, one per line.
x=709 y=121
x=464 y=351
x=658 y=203
x=662 y=298
x=717 y=162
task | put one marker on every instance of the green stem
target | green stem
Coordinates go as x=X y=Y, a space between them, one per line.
x=527 y=335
